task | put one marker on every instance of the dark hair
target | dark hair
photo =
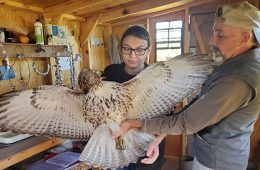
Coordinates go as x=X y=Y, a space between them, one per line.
x=138 y=32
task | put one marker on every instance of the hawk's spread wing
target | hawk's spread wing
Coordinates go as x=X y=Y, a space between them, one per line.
x=58 y=111
x=49 y=110
x=157 y=89
x=154 y=92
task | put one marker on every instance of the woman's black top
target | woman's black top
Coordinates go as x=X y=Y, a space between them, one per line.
x=116 y=72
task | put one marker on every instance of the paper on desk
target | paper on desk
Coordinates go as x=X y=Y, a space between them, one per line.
x=64 y=159
x=43 y=165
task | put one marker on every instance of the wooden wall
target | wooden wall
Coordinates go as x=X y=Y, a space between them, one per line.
x=119 y=28
x=19 y=21
x=75 y=27
x=98 y=53
x=25 y=77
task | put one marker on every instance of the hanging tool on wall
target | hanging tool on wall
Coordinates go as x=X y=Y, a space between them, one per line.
x=3 y=50
x=39 y=72
x=72 y=68
x=58 y=75
x=39 y=49
x=20 y=55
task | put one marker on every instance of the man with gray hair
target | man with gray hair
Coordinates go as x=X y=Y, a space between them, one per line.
x=229 y=103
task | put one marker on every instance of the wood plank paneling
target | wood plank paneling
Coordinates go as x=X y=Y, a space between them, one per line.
x=198 y=34
x=142 y=9
x=98 y=57
x=43 y=3
x=19 y=21
x=24 y=74
x=186 y=31
x=173 y=147
x=70 y=7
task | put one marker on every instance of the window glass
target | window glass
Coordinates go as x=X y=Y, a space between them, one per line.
x=168 y=39
x=166 y=54
x=161 y=25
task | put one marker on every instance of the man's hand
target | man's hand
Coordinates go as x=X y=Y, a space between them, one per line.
x=125 y=127
x=153 y=150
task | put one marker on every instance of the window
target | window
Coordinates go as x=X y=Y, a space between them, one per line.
x=168 y=40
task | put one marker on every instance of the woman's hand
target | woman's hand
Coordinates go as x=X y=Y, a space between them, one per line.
x=125 y=127
x=153 y=150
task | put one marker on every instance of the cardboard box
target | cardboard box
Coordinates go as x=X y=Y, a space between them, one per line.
x=56 y=35
x=59 y=35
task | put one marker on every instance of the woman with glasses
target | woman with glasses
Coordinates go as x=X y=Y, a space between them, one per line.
x=134 y=49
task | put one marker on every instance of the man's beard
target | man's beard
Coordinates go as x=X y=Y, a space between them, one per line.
x=217 y=55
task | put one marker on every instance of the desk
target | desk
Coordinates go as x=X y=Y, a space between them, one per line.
x=24 y=149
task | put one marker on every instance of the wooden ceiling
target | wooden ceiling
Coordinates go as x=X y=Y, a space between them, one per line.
x=107 y=10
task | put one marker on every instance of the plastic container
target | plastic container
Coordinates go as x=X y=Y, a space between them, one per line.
x=2 y=35
x=48 y=34
x=38 y=32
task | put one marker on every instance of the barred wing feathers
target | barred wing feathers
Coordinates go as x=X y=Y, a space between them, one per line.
x=152 y=93
x=49 y=110
x=61 y=112
x=157 y=89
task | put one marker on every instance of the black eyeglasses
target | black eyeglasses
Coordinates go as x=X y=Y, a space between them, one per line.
x=138 y=51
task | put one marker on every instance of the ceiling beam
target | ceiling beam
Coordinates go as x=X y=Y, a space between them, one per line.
x=107 y=5
x=128 y=20
x=69 y=7
x=57 y=20
x=87 y=27
x=142 y=8
x=136 y=17
x=22 y=6
x=73 y=17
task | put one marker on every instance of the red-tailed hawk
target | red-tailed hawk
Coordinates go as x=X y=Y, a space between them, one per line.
x=62 y=112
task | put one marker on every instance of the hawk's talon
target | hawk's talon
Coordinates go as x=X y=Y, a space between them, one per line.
x=120 y=143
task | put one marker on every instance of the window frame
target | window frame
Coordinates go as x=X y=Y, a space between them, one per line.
x=169 y=28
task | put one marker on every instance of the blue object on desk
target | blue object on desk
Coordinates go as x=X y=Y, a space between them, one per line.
x=59 y=162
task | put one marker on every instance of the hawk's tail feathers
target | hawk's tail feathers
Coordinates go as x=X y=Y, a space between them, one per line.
x=101 y=151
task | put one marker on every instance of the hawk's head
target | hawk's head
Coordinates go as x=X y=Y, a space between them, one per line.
x=88 y=79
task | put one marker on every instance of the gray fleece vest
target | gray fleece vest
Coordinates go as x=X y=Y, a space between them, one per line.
x=226 y=144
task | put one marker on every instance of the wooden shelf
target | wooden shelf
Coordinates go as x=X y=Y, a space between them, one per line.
x=29 y=50
x=24 y=149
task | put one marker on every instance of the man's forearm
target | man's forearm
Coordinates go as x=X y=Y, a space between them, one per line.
x=135 y=124
x=159 y=138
